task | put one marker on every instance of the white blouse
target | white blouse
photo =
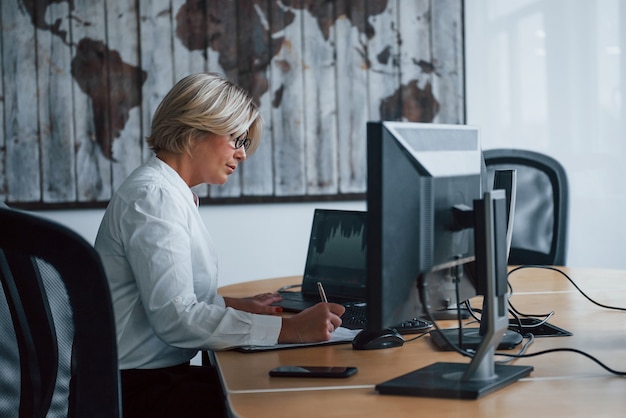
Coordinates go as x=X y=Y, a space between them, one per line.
x=161 y=266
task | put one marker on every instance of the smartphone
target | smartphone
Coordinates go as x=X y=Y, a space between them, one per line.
x=312 y=371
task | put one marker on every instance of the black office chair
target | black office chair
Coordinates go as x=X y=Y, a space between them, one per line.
x=540 y=227
x=58 y=355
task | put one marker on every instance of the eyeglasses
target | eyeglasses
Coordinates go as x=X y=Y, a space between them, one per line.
x=242 y=141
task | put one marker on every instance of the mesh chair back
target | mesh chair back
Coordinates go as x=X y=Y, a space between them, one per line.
x=540 y=227
x=58 y=351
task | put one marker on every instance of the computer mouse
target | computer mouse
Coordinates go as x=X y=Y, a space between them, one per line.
x=374 y=340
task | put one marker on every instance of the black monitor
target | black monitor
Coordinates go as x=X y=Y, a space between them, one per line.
x=418 y=173
x=434 y=239
x=472 y=337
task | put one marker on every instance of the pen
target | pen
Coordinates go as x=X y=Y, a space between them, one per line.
x=322 y=293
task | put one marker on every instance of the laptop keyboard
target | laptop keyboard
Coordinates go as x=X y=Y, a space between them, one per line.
x=355 y=318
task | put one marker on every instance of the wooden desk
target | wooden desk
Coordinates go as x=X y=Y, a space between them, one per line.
x=562 y=384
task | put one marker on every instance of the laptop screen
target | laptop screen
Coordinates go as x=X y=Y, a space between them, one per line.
x=336 y=255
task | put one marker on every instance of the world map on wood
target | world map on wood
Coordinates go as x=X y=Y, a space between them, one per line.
x=81 y=80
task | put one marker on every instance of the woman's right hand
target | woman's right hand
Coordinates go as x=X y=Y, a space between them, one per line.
x=314 y=324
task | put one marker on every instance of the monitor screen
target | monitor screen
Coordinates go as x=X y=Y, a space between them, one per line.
x=418 y=173
x=336 y=254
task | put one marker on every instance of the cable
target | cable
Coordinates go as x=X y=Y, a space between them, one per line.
x=516 y=316
x=531 y=339
x=422 y=287
x=514 y=310
x=458 y=311
x=473 y=311
x=416 y=337
x=520 y=326
x=573 y=350
x=423 y=294
x=515 y=313
x=570 y=280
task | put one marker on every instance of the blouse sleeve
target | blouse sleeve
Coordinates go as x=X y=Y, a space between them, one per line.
x=156 y=232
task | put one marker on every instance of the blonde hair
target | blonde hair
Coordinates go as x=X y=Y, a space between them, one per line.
x=201 y=103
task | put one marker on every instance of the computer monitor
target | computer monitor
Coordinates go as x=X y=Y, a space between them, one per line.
x=472 y=337
x=434 y=239
x=417 y=175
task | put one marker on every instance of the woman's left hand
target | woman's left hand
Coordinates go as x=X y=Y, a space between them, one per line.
x=258 y=304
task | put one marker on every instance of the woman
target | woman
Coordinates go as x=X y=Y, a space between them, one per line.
x=161 y=262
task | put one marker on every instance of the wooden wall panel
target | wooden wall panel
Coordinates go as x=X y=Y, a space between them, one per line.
x=19 y=60
x=56 y=125
x=257 y=173
x=156 y=23
x=287 y=81
x=93 y=166
x=447 y=52
x=352 y=94
x=81 y=79
x=125 y=80
x=190 y=22
x=229 y=24
x=384 y=72
x=320 y=112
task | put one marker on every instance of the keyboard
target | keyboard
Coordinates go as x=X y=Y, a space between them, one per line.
x=355 y=318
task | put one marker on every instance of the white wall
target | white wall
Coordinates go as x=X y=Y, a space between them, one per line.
x=546 y=75
x=549 y=75
x=254 y=241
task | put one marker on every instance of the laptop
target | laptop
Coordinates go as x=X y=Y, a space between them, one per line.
x=336 y=258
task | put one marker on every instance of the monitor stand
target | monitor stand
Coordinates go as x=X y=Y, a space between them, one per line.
x=461 y=380
x=447 y=380
x=472 y=338
x=450 y=313
x=482 y=375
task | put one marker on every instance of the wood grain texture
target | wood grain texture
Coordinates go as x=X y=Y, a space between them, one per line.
x=93 y=169
x=125 y=86
x=257 y=173
x=21 y=121
x=81 y=80
x=56 y=129
x=288 y=107
x=352 y=94
x=320 y=112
